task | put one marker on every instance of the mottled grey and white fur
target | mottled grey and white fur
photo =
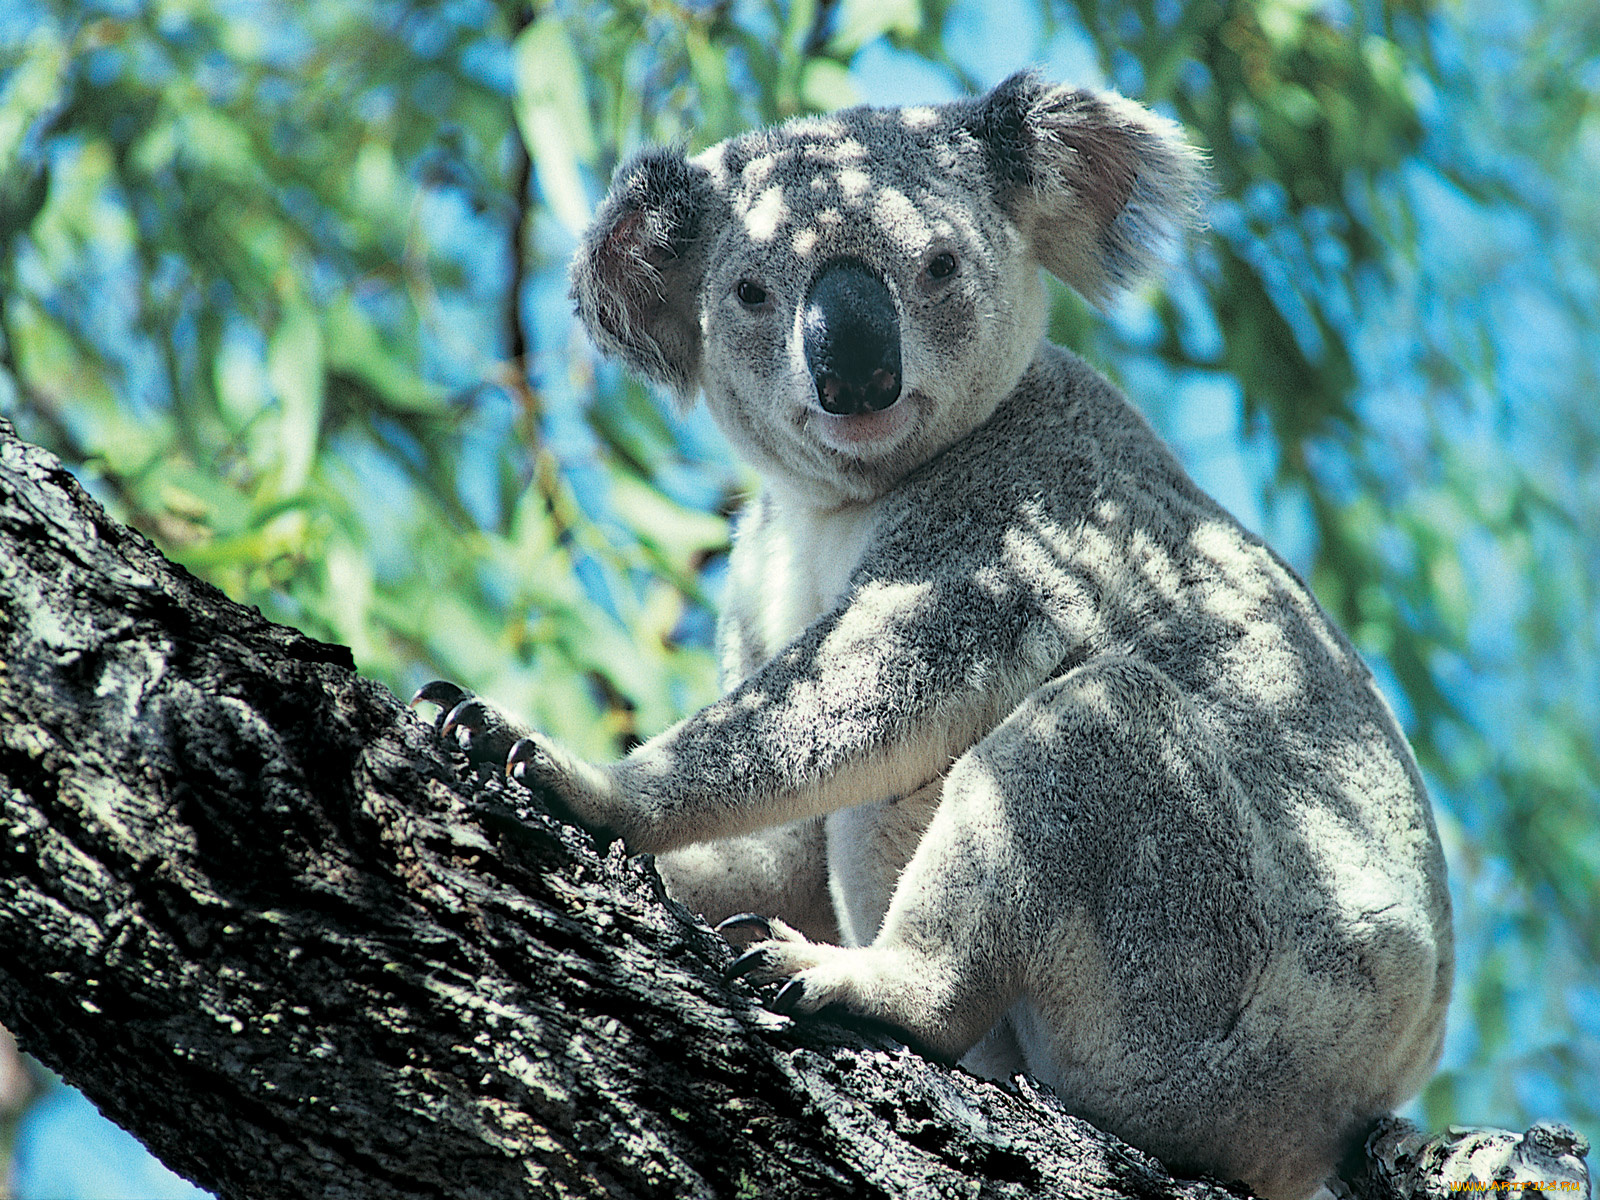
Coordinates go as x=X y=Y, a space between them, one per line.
x=1037 y=754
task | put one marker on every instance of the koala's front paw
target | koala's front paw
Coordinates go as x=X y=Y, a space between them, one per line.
x=783 y=953
x=585 y=794
x=532 y=761
x=580 y=791
x=482 y=730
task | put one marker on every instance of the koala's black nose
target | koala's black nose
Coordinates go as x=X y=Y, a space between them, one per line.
x=852 y=339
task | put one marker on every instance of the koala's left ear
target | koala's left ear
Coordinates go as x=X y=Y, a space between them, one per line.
x=1096 y=182
x=636 y=278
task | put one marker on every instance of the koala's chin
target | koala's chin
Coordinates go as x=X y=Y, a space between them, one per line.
x=863 y=455
x=865 y=436
x=1027 y=747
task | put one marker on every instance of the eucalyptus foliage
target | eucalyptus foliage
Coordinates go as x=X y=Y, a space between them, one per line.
x=286 y=284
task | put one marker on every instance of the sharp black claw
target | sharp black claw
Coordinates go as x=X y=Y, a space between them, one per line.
x=745 y=922
x=750 y=960
x=441 y=692
x=788 y=997
x=470 y=714
x=522 y=752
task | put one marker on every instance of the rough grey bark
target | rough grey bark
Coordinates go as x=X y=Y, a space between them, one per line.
x=273 y=926
x=1399 y=1159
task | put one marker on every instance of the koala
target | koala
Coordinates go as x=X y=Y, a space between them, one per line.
x=1027 y=748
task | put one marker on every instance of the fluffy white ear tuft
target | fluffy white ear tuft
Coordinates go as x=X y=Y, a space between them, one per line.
x=636 y=278
x=1096 y=182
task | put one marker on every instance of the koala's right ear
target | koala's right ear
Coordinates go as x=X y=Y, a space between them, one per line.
x=636 y=278
x=1097 y=183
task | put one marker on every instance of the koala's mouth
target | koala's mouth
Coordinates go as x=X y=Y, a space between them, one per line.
x=864 y=433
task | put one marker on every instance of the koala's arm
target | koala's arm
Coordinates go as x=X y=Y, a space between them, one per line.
x=873 y=700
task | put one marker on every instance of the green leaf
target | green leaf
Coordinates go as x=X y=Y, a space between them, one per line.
x=860 y=21
x=553 y=114
x=826 y=85
x=356 y=347
x=295 y=369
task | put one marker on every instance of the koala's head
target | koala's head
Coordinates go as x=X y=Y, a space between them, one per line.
x=855 y=292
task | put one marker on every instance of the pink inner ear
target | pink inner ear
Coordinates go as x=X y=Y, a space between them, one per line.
x=635 y=238
x=1105 y=170
x=626 y=262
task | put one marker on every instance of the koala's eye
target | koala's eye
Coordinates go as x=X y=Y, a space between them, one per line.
x=751 y=295
x=942 y=265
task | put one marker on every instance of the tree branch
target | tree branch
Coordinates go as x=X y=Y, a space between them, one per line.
x=271 y=924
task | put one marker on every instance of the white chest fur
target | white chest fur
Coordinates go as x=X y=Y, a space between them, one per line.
x=805 y=557
x=793 y=564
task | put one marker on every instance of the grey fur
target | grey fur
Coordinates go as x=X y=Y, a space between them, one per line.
x=1073 y=768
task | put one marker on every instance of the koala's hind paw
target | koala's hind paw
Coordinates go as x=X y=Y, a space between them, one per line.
x=483 y=731
x=790 y=997
x=782 y=955
x=747 y=963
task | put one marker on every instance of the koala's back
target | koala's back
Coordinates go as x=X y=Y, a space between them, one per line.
x=1298 y=838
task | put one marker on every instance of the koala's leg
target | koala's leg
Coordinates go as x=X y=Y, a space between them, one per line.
x=947 y=960
x=1090 y=856
x=1172 y=964
x=780 y=872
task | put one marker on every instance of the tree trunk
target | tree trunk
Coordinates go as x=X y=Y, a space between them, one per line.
x=274 y=926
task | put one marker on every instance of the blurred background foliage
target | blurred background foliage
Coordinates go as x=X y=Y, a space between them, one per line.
x=285 y=285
